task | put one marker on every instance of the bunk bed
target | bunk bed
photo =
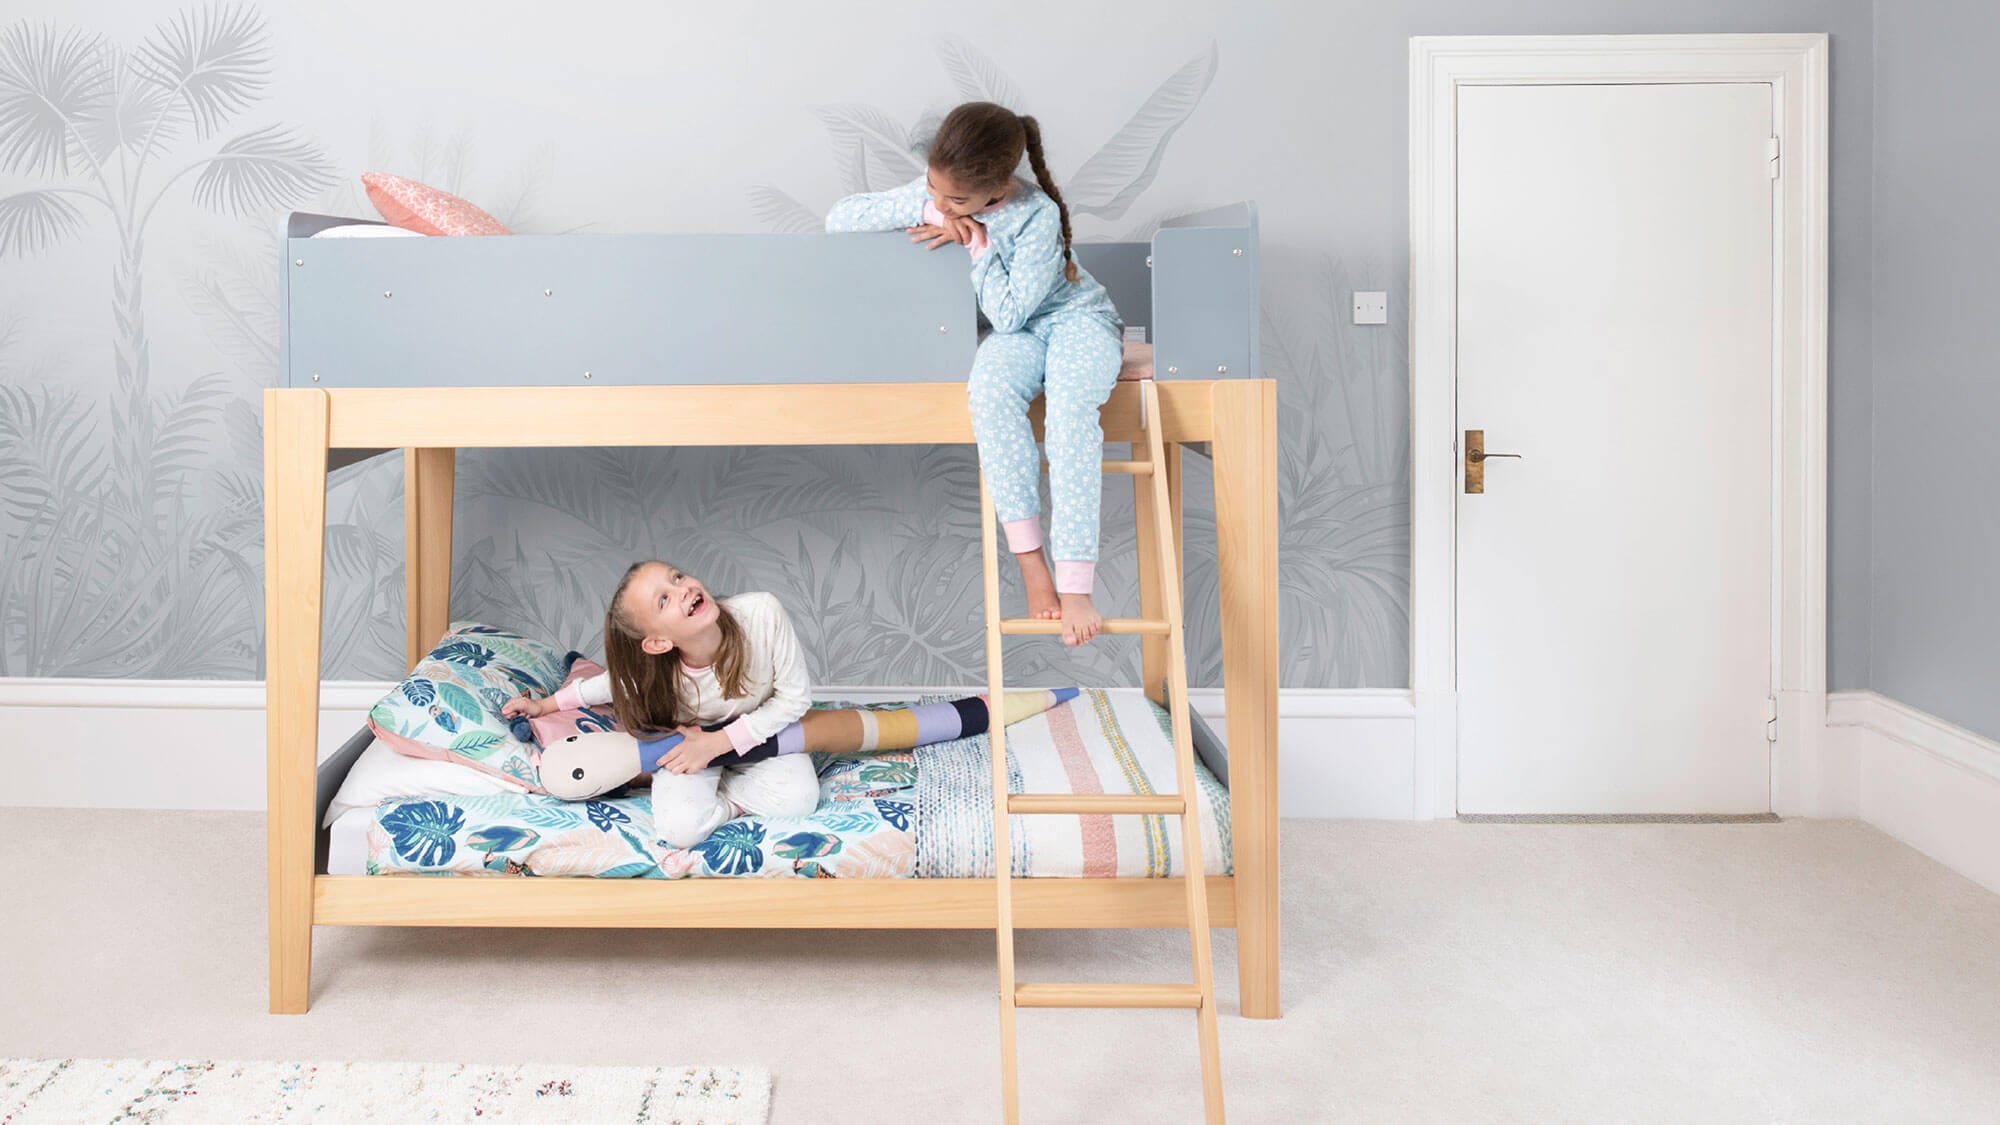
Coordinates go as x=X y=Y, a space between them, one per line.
x=429 y=345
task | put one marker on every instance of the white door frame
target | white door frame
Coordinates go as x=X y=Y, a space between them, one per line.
x=1796 y=68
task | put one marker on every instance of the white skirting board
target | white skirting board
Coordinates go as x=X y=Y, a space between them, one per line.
x=1930 y=784
x=199 y=744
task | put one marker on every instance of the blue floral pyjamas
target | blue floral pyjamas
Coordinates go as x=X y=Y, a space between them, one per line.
x=1072 y=361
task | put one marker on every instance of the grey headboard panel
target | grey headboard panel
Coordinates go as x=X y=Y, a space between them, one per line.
x=655 y=308
x=595 y=310
x=1205 y=295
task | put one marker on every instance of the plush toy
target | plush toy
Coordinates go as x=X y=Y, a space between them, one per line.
x=588 y=765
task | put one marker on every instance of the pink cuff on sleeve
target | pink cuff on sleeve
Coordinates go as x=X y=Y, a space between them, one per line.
x=568 y=698
x=1074 y=577
x=935 y=217
x=740 y=736
x=1023 y=535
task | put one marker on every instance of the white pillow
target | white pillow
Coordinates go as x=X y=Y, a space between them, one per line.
x=367 y=230
x=380 y=773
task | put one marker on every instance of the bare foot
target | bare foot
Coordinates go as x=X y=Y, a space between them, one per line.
x=1080 y=619
x=1041 y=585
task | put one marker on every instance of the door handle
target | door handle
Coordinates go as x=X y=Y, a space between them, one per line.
x=1476 y=458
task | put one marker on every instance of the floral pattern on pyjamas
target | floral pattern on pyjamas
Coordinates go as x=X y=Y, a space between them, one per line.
x=1073 y=361
x=1051 y=336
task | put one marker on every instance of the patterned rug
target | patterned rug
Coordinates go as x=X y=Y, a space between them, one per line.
x=89 y=1091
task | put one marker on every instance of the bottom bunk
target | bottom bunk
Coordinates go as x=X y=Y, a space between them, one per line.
x=915 y=815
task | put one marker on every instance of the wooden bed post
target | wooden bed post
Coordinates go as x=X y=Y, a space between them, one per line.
x=1152 y=649
x=1246 y=532
x=295 y=444
x=427 y=495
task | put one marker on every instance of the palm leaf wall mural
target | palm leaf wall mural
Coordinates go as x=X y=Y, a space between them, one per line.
x=131 y=508
x=120 y=571
x=1343 y=480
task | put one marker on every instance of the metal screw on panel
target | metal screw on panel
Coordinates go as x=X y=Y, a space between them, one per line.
x=943 y=328
x=586 y=374
x=298 y=261
x=1222 y=369
x=315 y=378
x=386 y=293
x=1238 y=251
x=1173 y=370
x=1149 y=261
x=548 y=292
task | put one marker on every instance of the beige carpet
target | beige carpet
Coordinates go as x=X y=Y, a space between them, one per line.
x=1804 y=971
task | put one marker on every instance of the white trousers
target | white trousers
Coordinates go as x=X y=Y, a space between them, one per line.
x=689 y=806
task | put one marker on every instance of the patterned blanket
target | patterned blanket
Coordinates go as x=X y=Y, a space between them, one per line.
x=862 y=829
x=922 y=813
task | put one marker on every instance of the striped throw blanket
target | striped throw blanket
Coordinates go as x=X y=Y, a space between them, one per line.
x=1100 y=742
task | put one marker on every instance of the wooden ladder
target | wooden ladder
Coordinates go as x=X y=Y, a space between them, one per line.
x=1200 y=994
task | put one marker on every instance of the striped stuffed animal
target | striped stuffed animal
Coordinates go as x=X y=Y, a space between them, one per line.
x=588 y=765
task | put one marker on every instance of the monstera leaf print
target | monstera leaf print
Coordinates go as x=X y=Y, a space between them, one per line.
x=736 y=848
x=877 y=774
x=419 y=691
x=806 y=845
x=465 y=652
x=605 y=817
x=502 y=838
x=422 y=831
x=897 y=813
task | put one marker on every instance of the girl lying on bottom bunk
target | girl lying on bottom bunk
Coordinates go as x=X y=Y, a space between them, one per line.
x=677 y=658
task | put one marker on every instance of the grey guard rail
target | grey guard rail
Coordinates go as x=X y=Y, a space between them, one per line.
x=705 y=309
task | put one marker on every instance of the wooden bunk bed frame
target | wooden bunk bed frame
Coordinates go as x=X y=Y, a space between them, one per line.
x=309 y=428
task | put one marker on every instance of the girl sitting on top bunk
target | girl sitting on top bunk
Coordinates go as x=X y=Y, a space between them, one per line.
x=677 y=659
x=1055 y=334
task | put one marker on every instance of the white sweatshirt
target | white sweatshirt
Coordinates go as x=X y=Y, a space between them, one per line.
x=777 y=690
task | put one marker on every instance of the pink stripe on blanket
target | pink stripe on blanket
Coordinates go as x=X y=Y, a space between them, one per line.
x=1100 y=839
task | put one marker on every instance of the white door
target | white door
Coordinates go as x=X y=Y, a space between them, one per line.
x=1615 y=281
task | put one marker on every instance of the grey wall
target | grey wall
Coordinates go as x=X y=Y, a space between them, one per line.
x=136 y=334
x=1937 y=384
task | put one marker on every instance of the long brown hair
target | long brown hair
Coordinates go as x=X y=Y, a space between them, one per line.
x=646 y=689
x=980 y=144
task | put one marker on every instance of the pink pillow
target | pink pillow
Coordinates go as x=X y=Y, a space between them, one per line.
x=426 y=210
x=558 y=725
x=1138 y=363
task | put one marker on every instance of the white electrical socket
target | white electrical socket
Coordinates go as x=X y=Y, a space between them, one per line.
x=1371 y=307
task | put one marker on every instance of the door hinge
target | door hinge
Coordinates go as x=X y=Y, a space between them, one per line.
x=1773 y=151
x=1771 y=719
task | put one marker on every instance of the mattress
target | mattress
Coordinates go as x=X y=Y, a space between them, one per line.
x=924 y=813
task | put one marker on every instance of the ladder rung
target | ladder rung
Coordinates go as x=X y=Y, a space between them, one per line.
x=1129 y=468
x=1016 y=626
x=1075 y=803
x=1107 y=996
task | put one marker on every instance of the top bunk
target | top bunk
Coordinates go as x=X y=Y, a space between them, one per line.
x=719 y=309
